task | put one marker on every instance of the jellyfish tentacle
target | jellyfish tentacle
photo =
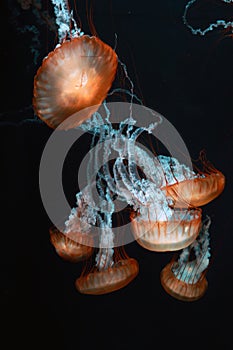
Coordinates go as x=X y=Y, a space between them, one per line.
x=137 y=193
x=212 y=26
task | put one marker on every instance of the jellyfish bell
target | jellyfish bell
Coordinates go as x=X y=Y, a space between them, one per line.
x=76 y=75
x=182 y=290
x=198 y=191
x=110 y=278
x=187 y=188
x=67 y=246
x=174 y=233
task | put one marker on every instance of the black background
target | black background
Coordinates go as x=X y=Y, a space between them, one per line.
x=186 y=78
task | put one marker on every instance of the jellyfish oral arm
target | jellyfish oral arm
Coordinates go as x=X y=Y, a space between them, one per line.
x=65 y=20
x=190 y=271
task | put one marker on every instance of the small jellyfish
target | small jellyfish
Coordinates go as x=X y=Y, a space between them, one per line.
x=68 y=248
x=109 y=278
x=185 y=279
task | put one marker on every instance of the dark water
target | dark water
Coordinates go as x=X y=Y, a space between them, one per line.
x=186 y=78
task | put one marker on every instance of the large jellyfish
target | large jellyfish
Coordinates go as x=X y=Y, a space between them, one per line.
x=76 y=75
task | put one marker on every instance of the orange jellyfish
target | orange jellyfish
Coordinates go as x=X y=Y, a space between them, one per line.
x=167 y=234
x=182 y=290
x=185 y=279
x=67 y=246
x=76 y=75
x=102 y=280
x=198 y=191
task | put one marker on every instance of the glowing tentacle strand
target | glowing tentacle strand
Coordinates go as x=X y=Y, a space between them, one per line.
x=218 y=23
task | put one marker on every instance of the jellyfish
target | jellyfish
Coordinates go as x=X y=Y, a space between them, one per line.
x=108 y=275
x=187 y=188
x=68 y=248
x=197 y=192
x=166 y=233
x=76 y=75
x=185 y=279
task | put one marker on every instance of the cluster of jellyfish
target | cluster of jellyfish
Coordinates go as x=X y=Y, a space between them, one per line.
x=164 y=197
